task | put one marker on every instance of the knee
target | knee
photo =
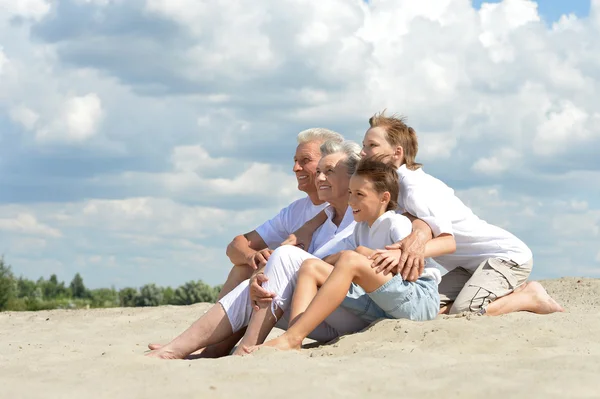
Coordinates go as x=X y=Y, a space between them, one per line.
x=350 y=260
x=308 y=267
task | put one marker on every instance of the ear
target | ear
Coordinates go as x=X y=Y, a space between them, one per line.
x=385 y=198
x=399 y=153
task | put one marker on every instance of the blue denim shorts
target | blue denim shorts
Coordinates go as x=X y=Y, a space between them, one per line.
x=396 y=299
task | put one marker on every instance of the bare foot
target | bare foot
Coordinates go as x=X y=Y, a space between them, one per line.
x=165 y=353
x=282 y=343
x=542 y=302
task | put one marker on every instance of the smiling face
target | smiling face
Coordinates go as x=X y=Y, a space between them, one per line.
x=375 y=143
x=332 y=179
x=366 y=203
x=305 y=165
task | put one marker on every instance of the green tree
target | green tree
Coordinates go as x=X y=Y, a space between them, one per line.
x=104 y=298
x=150 y=295
x=168 y=296
x=128 y=297
x=53 y=289
x=77 y=287
x=194 y=292
x=7 y=284
x=27 y=288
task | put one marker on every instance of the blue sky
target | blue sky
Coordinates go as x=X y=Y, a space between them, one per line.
x=552 y=10
x=138 y=137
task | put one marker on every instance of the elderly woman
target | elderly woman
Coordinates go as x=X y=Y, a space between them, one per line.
x=234 y=310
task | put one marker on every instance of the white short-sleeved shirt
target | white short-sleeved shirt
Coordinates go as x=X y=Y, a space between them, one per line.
x=432 y=201
x=389 y=228
x=289 y=219
x=328 y=235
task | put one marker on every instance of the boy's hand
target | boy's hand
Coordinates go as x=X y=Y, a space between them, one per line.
x=386 y=261
x=257 y=292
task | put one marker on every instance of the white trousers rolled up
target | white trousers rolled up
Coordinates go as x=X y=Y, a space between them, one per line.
x=282 y=272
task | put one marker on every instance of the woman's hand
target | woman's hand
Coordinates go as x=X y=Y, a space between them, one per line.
x=257 y=293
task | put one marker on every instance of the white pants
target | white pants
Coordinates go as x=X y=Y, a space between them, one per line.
x=282 y=272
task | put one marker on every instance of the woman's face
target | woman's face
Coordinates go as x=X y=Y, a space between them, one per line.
x=332 y=179
x=375 y=143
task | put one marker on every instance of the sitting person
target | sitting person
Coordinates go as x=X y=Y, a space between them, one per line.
x=233 y=312
x=321 y=287
x=250 y=251
x=489 y=262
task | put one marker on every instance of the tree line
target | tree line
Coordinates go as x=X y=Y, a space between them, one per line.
x=19 y=293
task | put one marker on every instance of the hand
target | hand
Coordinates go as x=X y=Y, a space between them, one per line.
x=295 y=241
x=257 y=293
x=259 y=258
x=412 y=260
x=386 y=261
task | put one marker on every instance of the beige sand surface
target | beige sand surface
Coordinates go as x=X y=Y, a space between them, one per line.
x=99 y=354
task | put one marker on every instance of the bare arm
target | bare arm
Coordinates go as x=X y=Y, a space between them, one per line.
x=303 y=236
x=441 y=245
x=242 y=247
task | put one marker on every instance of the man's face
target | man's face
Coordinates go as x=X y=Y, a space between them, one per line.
x=305 y=165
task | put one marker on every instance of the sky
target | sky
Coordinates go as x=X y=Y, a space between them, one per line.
x=138 y=137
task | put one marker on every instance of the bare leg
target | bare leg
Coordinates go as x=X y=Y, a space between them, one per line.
x=312 y=275
x=237 y=274
x=530 y=297
x=351 y=267
x=212 y=328
x=260 y=325
x=446 y=309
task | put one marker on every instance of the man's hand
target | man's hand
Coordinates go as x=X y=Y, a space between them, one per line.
x=386 y=261
x=295 y=241
x=258 y=258
x=257 y=293
x=412 y=259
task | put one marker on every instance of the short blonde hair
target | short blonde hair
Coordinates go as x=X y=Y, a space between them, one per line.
x=398 y=133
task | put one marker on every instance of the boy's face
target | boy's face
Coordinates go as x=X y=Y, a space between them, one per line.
x=366 y=203
x=375 y=143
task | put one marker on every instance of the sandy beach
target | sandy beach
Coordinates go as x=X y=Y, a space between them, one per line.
x=100 y=354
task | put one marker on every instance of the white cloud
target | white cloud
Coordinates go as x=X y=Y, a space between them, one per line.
x=503 y=160
x=78 y=123
x=30 y=9
x=25 y=116
x=3 y=60
x=26 y=223
x=565 y=126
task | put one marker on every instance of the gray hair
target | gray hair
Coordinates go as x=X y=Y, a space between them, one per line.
x=319 y=134
x=346 y=147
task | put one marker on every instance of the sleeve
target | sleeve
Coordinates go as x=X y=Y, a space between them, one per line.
x=275 y=231
x=429 y=209
x=401 y=227
x=348 y=243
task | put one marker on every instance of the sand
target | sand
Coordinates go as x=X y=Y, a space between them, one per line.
x=100 y=354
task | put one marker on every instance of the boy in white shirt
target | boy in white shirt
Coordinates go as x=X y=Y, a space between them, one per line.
x=489 y=263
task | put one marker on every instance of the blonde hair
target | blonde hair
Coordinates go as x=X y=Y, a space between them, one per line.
x=319 y=134
x=398 y=133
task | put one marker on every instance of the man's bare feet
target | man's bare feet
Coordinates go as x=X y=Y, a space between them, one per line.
x=541 y=301
x=283 y=343
x=166 y=353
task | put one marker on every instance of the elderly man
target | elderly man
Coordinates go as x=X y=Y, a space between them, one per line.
x=249 y=252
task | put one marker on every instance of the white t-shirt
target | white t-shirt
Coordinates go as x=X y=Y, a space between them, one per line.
x=389 y=228
x=328 y=235
x=289 y=219
x=432 y=201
